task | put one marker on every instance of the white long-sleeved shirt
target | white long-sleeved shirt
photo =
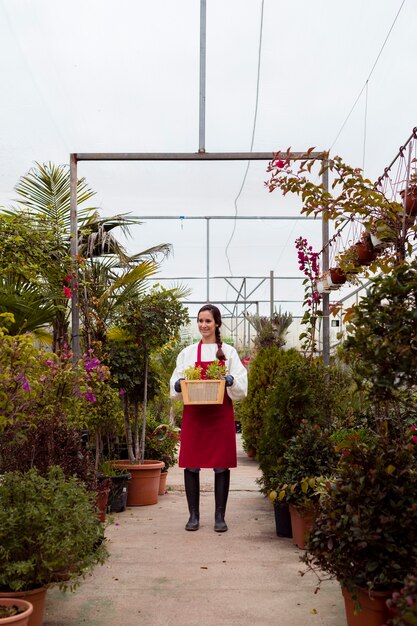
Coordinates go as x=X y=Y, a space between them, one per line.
x=188 y=357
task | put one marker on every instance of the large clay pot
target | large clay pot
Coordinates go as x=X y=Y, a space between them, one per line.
x=301 y=524
x=374 y=608
x=36 y=597
x=144 y=484
x=162 y=483
x=21 y=619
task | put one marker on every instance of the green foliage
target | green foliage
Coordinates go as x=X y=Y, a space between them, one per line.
x=309 y=456
x=148 y=322
x=193 y=372
x=162 y=443
x=354 y=197
x=49 y=531
x=215 y=371
x=381 y=346
x=268 y=365
x=303 y=389
x=270 y=330
x=365 y=533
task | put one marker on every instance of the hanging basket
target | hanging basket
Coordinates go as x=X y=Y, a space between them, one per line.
x=203 y=391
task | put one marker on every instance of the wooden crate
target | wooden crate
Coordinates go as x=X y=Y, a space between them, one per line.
x=202 y=391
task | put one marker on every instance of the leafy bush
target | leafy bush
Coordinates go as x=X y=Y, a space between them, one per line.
x=303 y=390
x=268 y=365
x=365 y=534
x=49 y=531
x=309 y=457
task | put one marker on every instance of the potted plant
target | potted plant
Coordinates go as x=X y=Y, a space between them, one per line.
x=15 y=611
x=364 y=534
x=161 y=444
x=409 y=195
x=146 y=324
x=49 y=534
x=207 y=389
x=303 y=474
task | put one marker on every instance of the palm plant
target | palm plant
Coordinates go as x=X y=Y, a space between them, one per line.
x=44 y=200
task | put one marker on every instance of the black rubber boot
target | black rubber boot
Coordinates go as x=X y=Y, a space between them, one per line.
x=221 y=491
x=192 y=490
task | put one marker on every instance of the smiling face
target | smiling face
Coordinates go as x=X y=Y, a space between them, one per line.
x=207 y=326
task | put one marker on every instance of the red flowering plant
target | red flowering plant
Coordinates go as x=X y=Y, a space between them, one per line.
x=308 y=263
x=403 y=604
x=162 y=442
x=353 y=197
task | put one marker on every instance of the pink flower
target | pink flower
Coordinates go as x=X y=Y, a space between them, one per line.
x=280 y=163
x=121 y=392
x=67 y=292
x=414 y=438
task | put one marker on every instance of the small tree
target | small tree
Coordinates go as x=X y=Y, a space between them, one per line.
x=148 y=323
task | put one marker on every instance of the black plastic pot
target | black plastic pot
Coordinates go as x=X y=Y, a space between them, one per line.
x=118 y=493
x=282 y=519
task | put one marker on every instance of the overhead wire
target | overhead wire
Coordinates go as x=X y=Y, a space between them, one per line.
x=364 y=88
x=252 y=139
x=369 y=76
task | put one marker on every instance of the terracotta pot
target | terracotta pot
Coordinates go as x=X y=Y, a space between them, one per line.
x=144 y=484
x=301 y=524
x=337 y=276
x=374 y=608
x=162 y=483
x=411 y=200
x=366 y=254
x=101 y=503
x=17 y=620
x=36 y=597
x=251 y=452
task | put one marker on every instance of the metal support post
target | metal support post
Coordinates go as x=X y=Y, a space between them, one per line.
x=202 y=122
x=271 y=308
x=325 y=267
x=75 y=311
x=208 y=259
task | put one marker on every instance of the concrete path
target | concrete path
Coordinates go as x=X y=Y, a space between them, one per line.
x=160 y=575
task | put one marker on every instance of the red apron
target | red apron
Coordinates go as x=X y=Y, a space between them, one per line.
x=208 y=433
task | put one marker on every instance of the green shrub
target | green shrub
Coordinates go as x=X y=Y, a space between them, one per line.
x=303 y=390
x=265 y=368
x=49 y=531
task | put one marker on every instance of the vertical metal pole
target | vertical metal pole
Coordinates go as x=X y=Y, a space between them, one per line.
x=75 y=311
x=208 y=260
x=202 y=122
x=325 y=267
x=271 y=306
x=243 y=317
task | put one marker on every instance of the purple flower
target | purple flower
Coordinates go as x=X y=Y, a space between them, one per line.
x=90 y=397
x=121 y=392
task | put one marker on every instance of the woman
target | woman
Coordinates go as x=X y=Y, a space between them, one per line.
x=208 y=434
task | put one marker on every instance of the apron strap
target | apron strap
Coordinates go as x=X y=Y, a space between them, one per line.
x=199 y=351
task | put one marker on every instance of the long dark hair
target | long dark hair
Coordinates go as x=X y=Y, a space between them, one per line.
x=218 y=322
